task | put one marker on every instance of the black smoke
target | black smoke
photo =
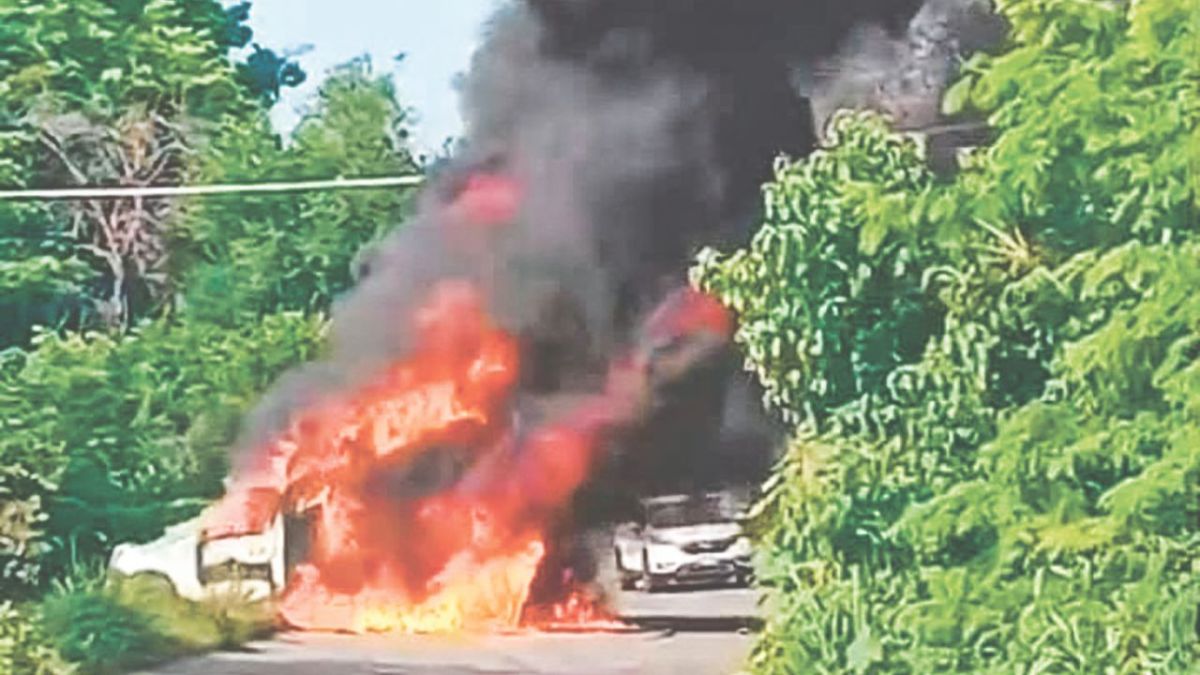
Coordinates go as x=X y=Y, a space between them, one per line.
x=639 y=131
x=903 y=75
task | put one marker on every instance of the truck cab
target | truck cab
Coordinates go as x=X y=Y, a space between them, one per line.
x=252 y=556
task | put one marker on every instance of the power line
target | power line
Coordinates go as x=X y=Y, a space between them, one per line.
x=148 y=192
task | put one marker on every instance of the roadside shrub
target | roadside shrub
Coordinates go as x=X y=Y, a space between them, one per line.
x=841 y=307
x=1019 y=490
x=91 y=628
x=24 y=647
x=22 y=534
x=116 y=625
x=222 y=622
x=127 y=434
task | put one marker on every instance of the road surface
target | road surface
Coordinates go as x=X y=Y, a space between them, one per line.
x=689 y=633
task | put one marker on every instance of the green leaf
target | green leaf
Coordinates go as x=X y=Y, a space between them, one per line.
x=864 y=651
x=954 y=101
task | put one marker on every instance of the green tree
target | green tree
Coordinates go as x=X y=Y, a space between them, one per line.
x=106 y=92
x=139 y=332
x=109 y=436
x=250 y=256
x=115 y=436
x=1010 y=484
x=97 y=93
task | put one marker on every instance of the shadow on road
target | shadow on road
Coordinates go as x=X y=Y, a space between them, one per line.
x=700 y=588
x=694 y=624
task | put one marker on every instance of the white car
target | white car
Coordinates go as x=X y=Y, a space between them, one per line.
x=199 y=565
x=684 y=539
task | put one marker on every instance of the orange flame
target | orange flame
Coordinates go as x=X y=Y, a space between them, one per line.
x=489 y=200
x=381 y=560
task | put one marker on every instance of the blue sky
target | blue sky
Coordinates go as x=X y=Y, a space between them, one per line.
x=437 y=36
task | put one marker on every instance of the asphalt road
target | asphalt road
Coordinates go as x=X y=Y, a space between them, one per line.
x=688 y=632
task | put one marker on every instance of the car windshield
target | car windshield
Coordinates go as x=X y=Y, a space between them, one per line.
x=696 y=511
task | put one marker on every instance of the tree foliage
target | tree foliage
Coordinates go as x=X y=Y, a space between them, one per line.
x=255 y=255
x=993 y=378
x=138 y=332
x=112 y=92
x=120 y=432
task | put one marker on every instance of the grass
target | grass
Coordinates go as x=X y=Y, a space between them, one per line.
x=114 y=625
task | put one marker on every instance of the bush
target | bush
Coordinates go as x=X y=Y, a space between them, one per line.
x=120 y=624
x=22 y=534
x=91 y=628
x=109 y=439
x=24 y=647
x=993 y=379
x=251 y=256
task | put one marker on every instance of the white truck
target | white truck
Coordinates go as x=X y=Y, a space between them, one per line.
x=253 y=560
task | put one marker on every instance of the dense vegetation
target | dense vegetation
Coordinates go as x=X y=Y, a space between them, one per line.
x=137 y=332
x=995 y=378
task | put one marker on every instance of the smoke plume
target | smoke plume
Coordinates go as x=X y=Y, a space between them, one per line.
x=621 y=135
x=606 y=141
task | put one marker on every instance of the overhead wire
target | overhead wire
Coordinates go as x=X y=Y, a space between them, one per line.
x=165 y=191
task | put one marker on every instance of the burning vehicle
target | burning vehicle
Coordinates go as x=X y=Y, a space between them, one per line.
x=197 y=562
x=416 y=503
x=175 y=561
x=437 y=511
x=684 y=539
x=395 y=485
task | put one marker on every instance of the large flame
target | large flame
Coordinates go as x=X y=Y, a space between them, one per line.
x=429 y=511
x=386 y=558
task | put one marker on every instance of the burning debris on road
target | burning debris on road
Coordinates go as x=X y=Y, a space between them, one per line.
x=607 y=140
